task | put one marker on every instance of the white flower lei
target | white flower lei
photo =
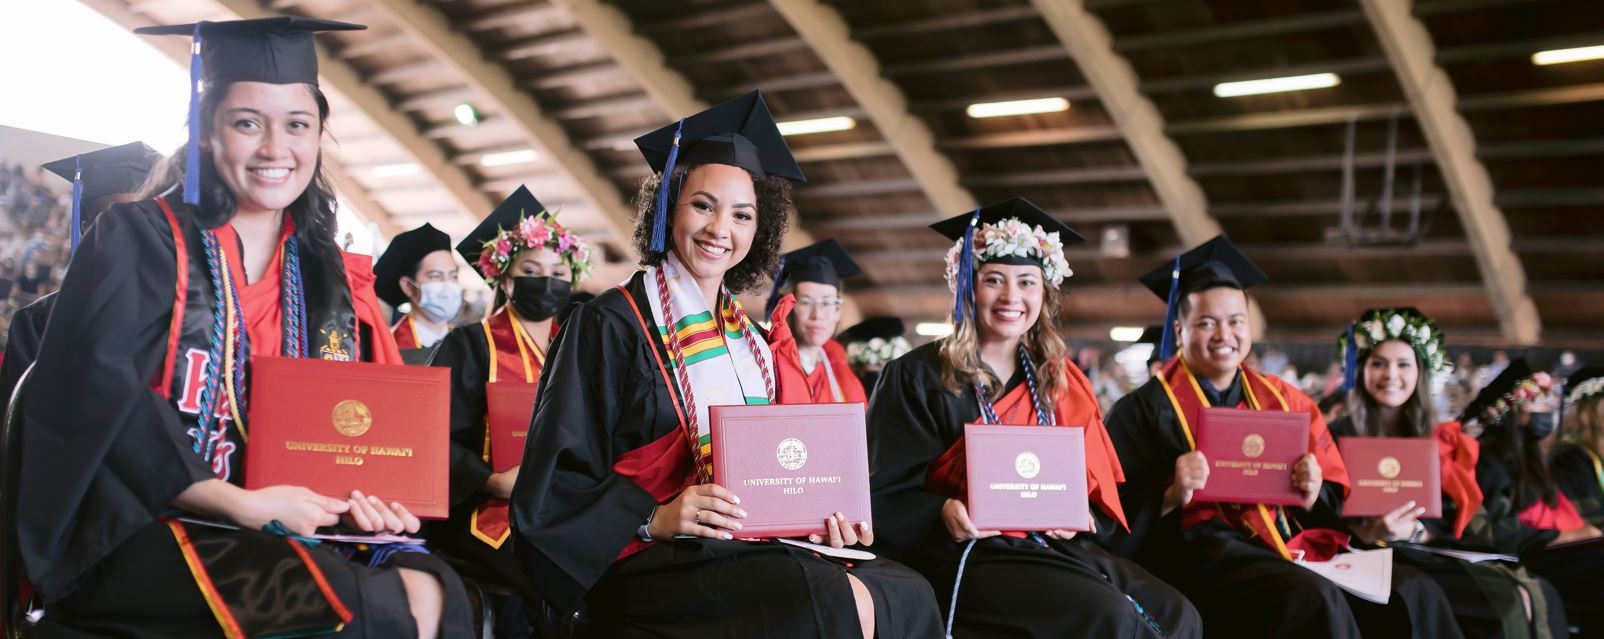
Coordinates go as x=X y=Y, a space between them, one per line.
x=1586 y=390
x=877 y=351
x=1013 y=237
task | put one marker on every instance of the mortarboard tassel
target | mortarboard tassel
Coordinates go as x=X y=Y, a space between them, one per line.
x=192 y=148
x=660 y=212
x=1350 y=362
x=774 y=293
x=1166 y=345
x=965 y=285
x=77 y=202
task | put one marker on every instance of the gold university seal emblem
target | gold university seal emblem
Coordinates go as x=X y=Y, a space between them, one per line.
x=1389 y=467
x=1252 y=446
x=352 y=418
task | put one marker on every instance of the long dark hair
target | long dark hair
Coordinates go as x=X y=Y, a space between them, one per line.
x=773 y=218
x=1415 y=418
x=313 y=212
x=1506 y=442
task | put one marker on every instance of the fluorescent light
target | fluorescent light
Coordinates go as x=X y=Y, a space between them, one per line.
x=396 y=170
x=1561 y=56
x=1017 y=107
x=933 y=329
x=817 y=125
x=466 y=114
x=1276 y=85
x=1125 y=333
x=505 y=158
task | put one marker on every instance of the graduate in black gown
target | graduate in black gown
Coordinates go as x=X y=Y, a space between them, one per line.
x=1235 y=561
x=1529 y=515
x=532 y=262
x=1389 y=357
x=133 y=414
x=1005 y=364
x=100 y=179
x=614 y=511
x=1576 y=461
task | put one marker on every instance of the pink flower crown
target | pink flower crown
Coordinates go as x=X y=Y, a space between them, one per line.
x=534 y=231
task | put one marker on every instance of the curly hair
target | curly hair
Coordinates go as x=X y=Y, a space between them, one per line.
x=960 y=354
x=773 y=219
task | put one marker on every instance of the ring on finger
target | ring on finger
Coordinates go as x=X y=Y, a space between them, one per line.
x=698 y=517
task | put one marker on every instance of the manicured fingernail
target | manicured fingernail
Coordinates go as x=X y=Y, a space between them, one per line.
x=740 y=512
x=1420 y=511
x=728 y=536
x=737 y=524
x=1411 y=504
x=840 y=516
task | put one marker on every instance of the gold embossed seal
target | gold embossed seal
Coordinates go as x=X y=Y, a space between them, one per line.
x=352 y=418
x=1389 y=467
x=1252 y=445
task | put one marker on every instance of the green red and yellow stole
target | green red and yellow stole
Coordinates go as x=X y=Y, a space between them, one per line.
x=1269 y=524
x=1457 y=454
x=406 y=334
x=1075 y=407
x=514 y=359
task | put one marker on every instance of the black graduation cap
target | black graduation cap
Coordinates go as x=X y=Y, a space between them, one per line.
x=740 y=132
x=402 y=257
x=507 y=215
x=823 y=262
x=1577 y=378
x=276 y=50
x=963 y=226
x=110 y=171
x=879 y=326
x=1504 y=384
x=1216 y=261
x=1152 y=334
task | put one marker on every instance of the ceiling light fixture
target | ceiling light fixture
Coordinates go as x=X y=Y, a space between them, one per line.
x=1561 y=56
x=466 y=114
x=1276 y=85
x=505 y=158
x=817 y=125
x=933 y=329
x=1125 y=333
x=1017 y=107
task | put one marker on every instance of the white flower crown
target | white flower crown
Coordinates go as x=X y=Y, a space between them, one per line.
x=1013 y=237
x=1411 y=327
x=1586 y=390
x=877 y=351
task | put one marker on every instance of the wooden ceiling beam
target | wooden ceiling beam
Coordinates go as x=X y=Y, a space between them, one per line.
x=509 y=15
x=501 y=93
x=830 y=38
x=971 y=62
x=1283 y=25
x=1431 y=97
x=946 y=22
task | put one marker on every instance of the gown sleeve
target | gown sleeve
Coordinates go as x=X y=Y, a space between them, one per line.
x=1508 y=534
x=102 y=469
x=22 y=342
x=1148 y=458
x=464 y=352
x=599 y=398
x=905 y=435
x=1571 y=466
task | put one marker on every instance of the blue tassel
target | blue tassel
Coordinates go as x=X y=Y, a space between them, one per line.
x=77 y=202
x=1166 y=345
x=774 y=293
x=1350 y=362
x=192 y=152
x=660 y=212
x=965 y=288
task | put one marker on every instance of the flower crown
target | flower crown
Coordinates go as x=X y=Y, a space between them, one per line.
x=1013 y=237
x=534 y=231
x=1525 y=390
x=1586 y=390
x=1407 y=325
x=877 y=351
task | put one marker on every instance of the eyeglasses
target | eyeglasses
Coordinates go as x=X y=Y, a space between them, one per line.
x=807 y=304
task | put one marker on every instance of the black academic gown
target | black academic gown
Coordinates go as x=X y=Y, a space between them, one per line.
x=105 y=454
x=22 y=342
x=1240 y=587
x=1577 y=572
x=1576 y=468
x=1486 y=597
x=603 y=425
x=1009 y=587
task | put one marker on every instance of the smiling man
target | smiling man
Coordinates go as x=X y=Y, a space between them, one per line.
x=1234 y=560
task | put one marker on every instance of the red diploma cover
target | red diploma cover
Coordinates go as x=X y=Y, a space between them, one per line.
x=1385 y=472
x=510 y=405
x=1251 y=454
x=1026 y=478
x=792 y=465
x=335 y=427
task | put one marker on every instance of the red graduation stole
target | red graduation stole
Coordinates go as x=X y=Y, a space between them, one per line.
x=1076 y=407
x=514 y=356
x=1457 y=453
x=1257 y=520
x=406 y=335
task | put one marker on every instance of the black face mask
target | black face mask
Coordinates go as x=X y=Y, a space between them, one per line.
x=1542 y=425
x=539 y=298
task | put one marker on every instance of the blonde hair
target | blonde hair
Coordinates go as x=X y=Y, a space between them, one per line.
x=960 y=354
x=1588 y=416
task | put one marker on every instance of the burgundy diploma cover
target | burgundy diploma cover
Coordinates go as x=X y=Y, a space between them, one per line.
x=1251 y=454
x=792 y=465
x=1385 y=472
x=508 y=409
x=1026 y=477
x=335 y=427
